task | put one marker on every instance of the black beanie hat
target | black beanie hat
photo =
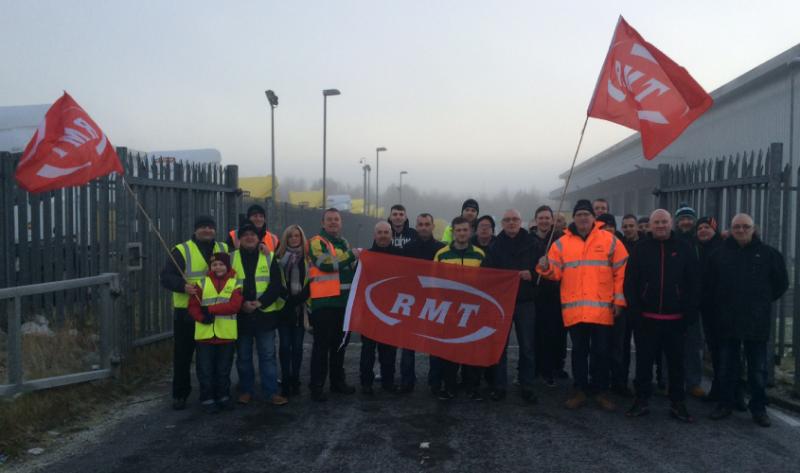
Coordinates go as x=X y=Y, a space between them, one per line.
x=471 y=204
x=487 y=217
x=246 y=227
x=255 y=209
x=582 y=204
x=608 y=219
x=204 y=221
x=710 y=221
x=223 y=258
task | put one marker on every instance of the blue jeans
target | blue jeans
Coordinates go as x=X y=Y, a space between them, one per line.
x=265 y=345
x=291 y=353
x=214 y=371
x=730 y=366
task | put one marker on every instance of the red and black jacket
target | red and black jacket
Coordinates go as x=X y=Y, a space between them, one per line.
x=662 y=280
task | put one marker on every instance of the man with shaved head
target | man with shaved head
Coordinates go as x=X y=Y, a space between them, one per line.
x=516 y=250
x=745 y=277
x=662 y=287
x=387 y=354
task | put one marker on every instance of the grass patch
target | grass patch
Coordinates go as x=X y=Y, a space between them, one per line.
x=27 y=418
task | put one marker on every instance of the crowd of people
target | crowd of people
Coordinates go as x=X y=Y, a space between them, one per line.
x=672 y=287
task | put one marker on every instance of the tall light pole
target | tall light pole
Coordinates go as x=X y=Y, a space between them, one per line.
x=365 y=167
x=401 y=186
x=325 y=94
x=369 y=179
x=273 y=103
x=377 y=178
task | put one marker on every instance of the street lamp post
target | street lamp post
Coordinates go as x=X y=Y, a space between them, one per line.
x=401 y=186
x=366 y=168
x=273 y=103
x=325 y=94
x=378 y=177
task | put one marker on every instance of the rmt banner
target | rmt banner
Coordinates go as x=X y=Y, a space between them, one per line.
x=455 y=312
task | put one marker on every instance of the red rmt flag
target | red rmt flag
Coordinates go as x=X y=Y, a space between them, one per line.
x=455 y=312
x=641 y=88
x=68 y=149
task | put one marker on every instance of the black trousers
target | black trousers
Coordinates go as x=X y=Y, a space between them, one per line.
x=550 y=339
x=214 y=362
x=652 y=338
x=387 y=356
x=326 y=356
x=590 y=355
x=621 y=350
x=183 y=351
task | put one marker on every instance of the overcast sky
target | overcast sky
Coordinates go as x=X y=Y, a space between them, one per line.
x=466 y=95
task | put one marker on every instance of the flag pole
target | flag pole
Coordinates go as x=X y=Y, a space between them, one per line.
x=564 y=192
x=154 y=228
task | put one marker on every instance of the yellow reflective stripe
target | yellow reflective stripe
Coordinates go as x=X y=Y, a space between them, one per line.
x=586 y=303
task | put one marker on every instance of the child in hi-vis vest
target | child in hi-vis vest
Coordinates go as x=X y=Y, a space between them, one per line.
x=215 y=331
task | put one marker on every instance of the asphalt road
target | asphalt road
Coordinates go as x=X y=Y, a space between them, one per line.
x=387 y=432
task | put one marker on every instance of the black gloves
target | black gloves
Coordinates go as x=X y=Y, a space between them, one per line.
x=207 y=317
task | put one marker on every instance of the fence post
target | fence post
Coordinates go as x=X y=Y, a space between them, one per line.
x=15 y=344
x=772 y=232
x=663 y=185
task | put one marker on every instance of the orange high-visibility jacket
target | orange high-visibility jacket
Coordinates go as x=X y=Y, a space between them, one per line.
x=591 y=274
x=270 y=240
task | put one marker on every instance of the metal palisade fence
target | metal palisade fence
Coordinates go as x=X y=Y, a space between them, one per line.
x=760 y=184
x=94 y=229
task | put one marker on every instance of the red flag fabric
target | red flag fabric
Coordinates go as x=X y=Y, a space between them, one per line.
x=643 y=89
x=455 y=312
x=68 y=149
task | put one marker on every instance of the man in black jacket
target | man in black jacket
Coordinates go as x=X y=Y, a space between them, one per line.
x=514 y=249
x=745 y=277
x=425 y=246
x=402 y=233
x=662 y=288
x=387 y=354
x=709 y=240
x=551 y=336
x=198 y=251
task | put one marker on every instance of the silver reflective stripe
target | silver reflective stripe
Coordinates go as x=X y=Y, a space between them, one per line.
x=344 y=286
x=559 y=245
x=189 y=266
x=221 y=248
x=209 y=301
x=619 y=263
x=613 y=246
x=571 y=305
x=326 y=277
x=619 y=297
x=225 y=317
x=586 y=262
x=239 y=282
x=261 y=278
x=557 y=264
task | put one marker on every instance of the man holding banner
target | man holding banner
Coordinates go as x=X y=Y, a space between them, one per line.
x=514 y=249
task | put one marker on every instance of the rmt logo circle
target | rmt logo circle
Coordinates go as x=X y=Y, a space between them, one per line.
x=439 y=309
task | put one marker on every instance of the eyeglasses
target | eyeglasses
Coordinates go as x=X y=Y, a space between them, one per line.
x=741 y=226
x=512 y=219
